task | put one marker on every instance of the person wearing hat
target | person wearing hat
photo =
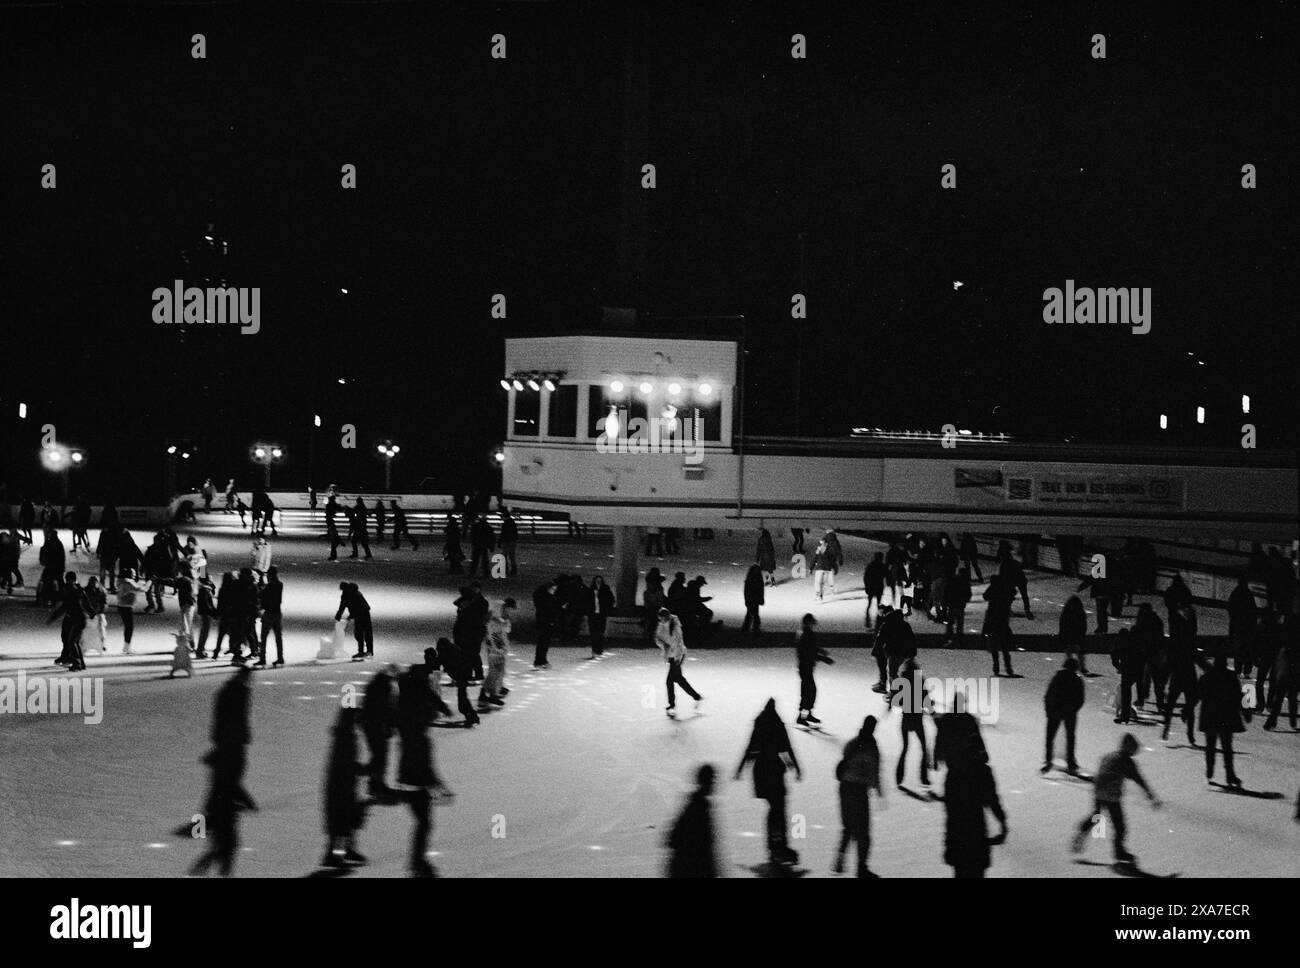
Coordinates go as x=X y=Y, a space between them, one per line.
x=697 y=615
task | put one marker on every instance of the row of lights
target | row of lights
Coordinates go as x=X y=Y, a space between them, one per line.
x=533 y=380
x=1200 y=412
x=674 y=389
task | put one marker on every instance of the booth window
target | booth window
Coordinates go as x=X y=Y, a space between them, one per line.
x=562 y=411
x=528 y=410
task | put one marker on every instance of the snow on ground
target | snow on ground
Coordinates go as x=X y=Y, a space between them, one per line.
x=581 y=771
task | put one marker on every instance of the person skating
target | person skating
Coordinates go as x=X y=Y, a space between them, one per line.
x=75 y=609
x=344 y=811
x=1062 y=702
x=206 y=611
x=469 y=628
x=874 y=578
x=1220 y=694
x=1286 y=667
x=354 y=603
x=53 y=561
x=400 y=529
x=823 y=570
x=1130 y=662
x=381 y=519
x=509 y=541
x=359 y=532
x=228 y=759
x=1243 y=620
x=272 y=601
x=546 y=611
x=808 y=652
x=909 y=695
x=497 y=645
x=415 y=773
x=598 y=604
x=1108 y=798
x=997 y=621
x=970 y=555
x=482 y=542
x=378 y=720
x=1072 y=632
x=332 y=536
x=969 y=793
x=957 y=596
x=451 y=549
x=765 y=557
x=1182 y=668
x=858 y=773
x=454 y=664
x=770 y=753
x=754 y=600
x=671 y=641
x=692 y=851
x=230 y=497
x=128 y=591
x=80 y=525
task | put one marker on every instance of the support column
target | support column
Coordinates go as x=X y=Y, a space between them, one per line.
x=627 y=550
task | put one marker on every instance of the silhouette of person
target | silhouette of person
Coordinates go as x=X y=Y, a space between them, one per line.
x=692 y=850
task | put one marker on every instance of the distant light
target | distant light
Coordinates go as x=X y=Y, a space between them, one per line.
x=208 y=238
x=499 y=456
x=396 y=449
x=534 y=385
x=258 y=452
x=1164 y=422
x=344 y=291
x=381 y=449
x=1200 y=362
x=611 y=424
x=505 y=384
x=1200 y=415
x=342 y=381
x=78 y=457
x=184 y=456
x=22 y=411
x=55 y=457
x=277 y=453
x=1245 y=403
x=316 y=420
x=516 y=384
x=549 y=384
x=646 y=386
x=957 y=284
x=172 y=450
x=616 y=386
x=706 y=389
x=674 y=388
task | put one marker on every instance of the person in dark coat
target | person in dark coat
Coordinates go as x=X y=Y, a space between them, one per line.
x=858 y=773
x=272 y=599
x=228 y=759
x=415 y=771
x=360 y=529
x=599 y=602
x=1176 y=595
x=381 y=519
x=547 y=616
x=1072 y=632
x=909 y=696
x=482 y=541
x=378 y=720
x=754 y=599
x=1014 y=572
x=75 y=609
x=53 y=561
x=509 y=541
x=1130 y=662
x=1108 y=798
x=692 y=850
x=808 y=652
x=1220 y=692
x=354 y=603
x=874 y=578
x=451 y=549
x=344 y=812
x=26 y=520
x=958 y=594
x=765 y=557
x=1182 y=669
x=470 y=626
x=675 y=597
x=453 y=662
x=1062 y=702
x=1242 y=621
x=771 y=754
x=10 y=552
x=400 y=528
x=1149 y=635
x=969 y=792
x=997 y=621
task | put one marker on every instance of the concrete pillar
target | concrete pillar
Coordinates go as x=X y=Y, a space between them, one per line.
x=627 y=549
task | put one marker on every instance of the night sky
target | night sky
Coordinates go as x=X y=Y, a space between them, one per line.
x=478 y=176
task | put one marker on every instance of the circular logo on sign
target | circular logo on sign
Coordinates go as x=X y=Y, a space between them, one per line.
x=1159 y=489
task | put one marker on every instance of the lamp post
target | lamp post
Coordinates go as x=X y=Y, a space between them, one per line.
x=388 y=450
x=266 y=455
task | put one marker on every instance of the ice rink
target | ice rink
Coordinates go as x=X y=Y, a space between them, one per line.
x=581 y=773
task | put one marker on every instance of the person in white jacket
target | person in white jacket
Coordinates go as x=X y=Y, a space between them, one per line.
x=669 y=638
x=497 y=642
x=260 y=557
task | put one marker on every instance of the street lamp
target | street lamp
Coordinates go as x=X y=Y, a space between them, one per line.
x=388 y=450
x=266 y=455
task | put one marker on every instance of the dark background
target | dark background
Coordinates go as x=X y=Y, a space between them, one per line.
x=478 y=176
